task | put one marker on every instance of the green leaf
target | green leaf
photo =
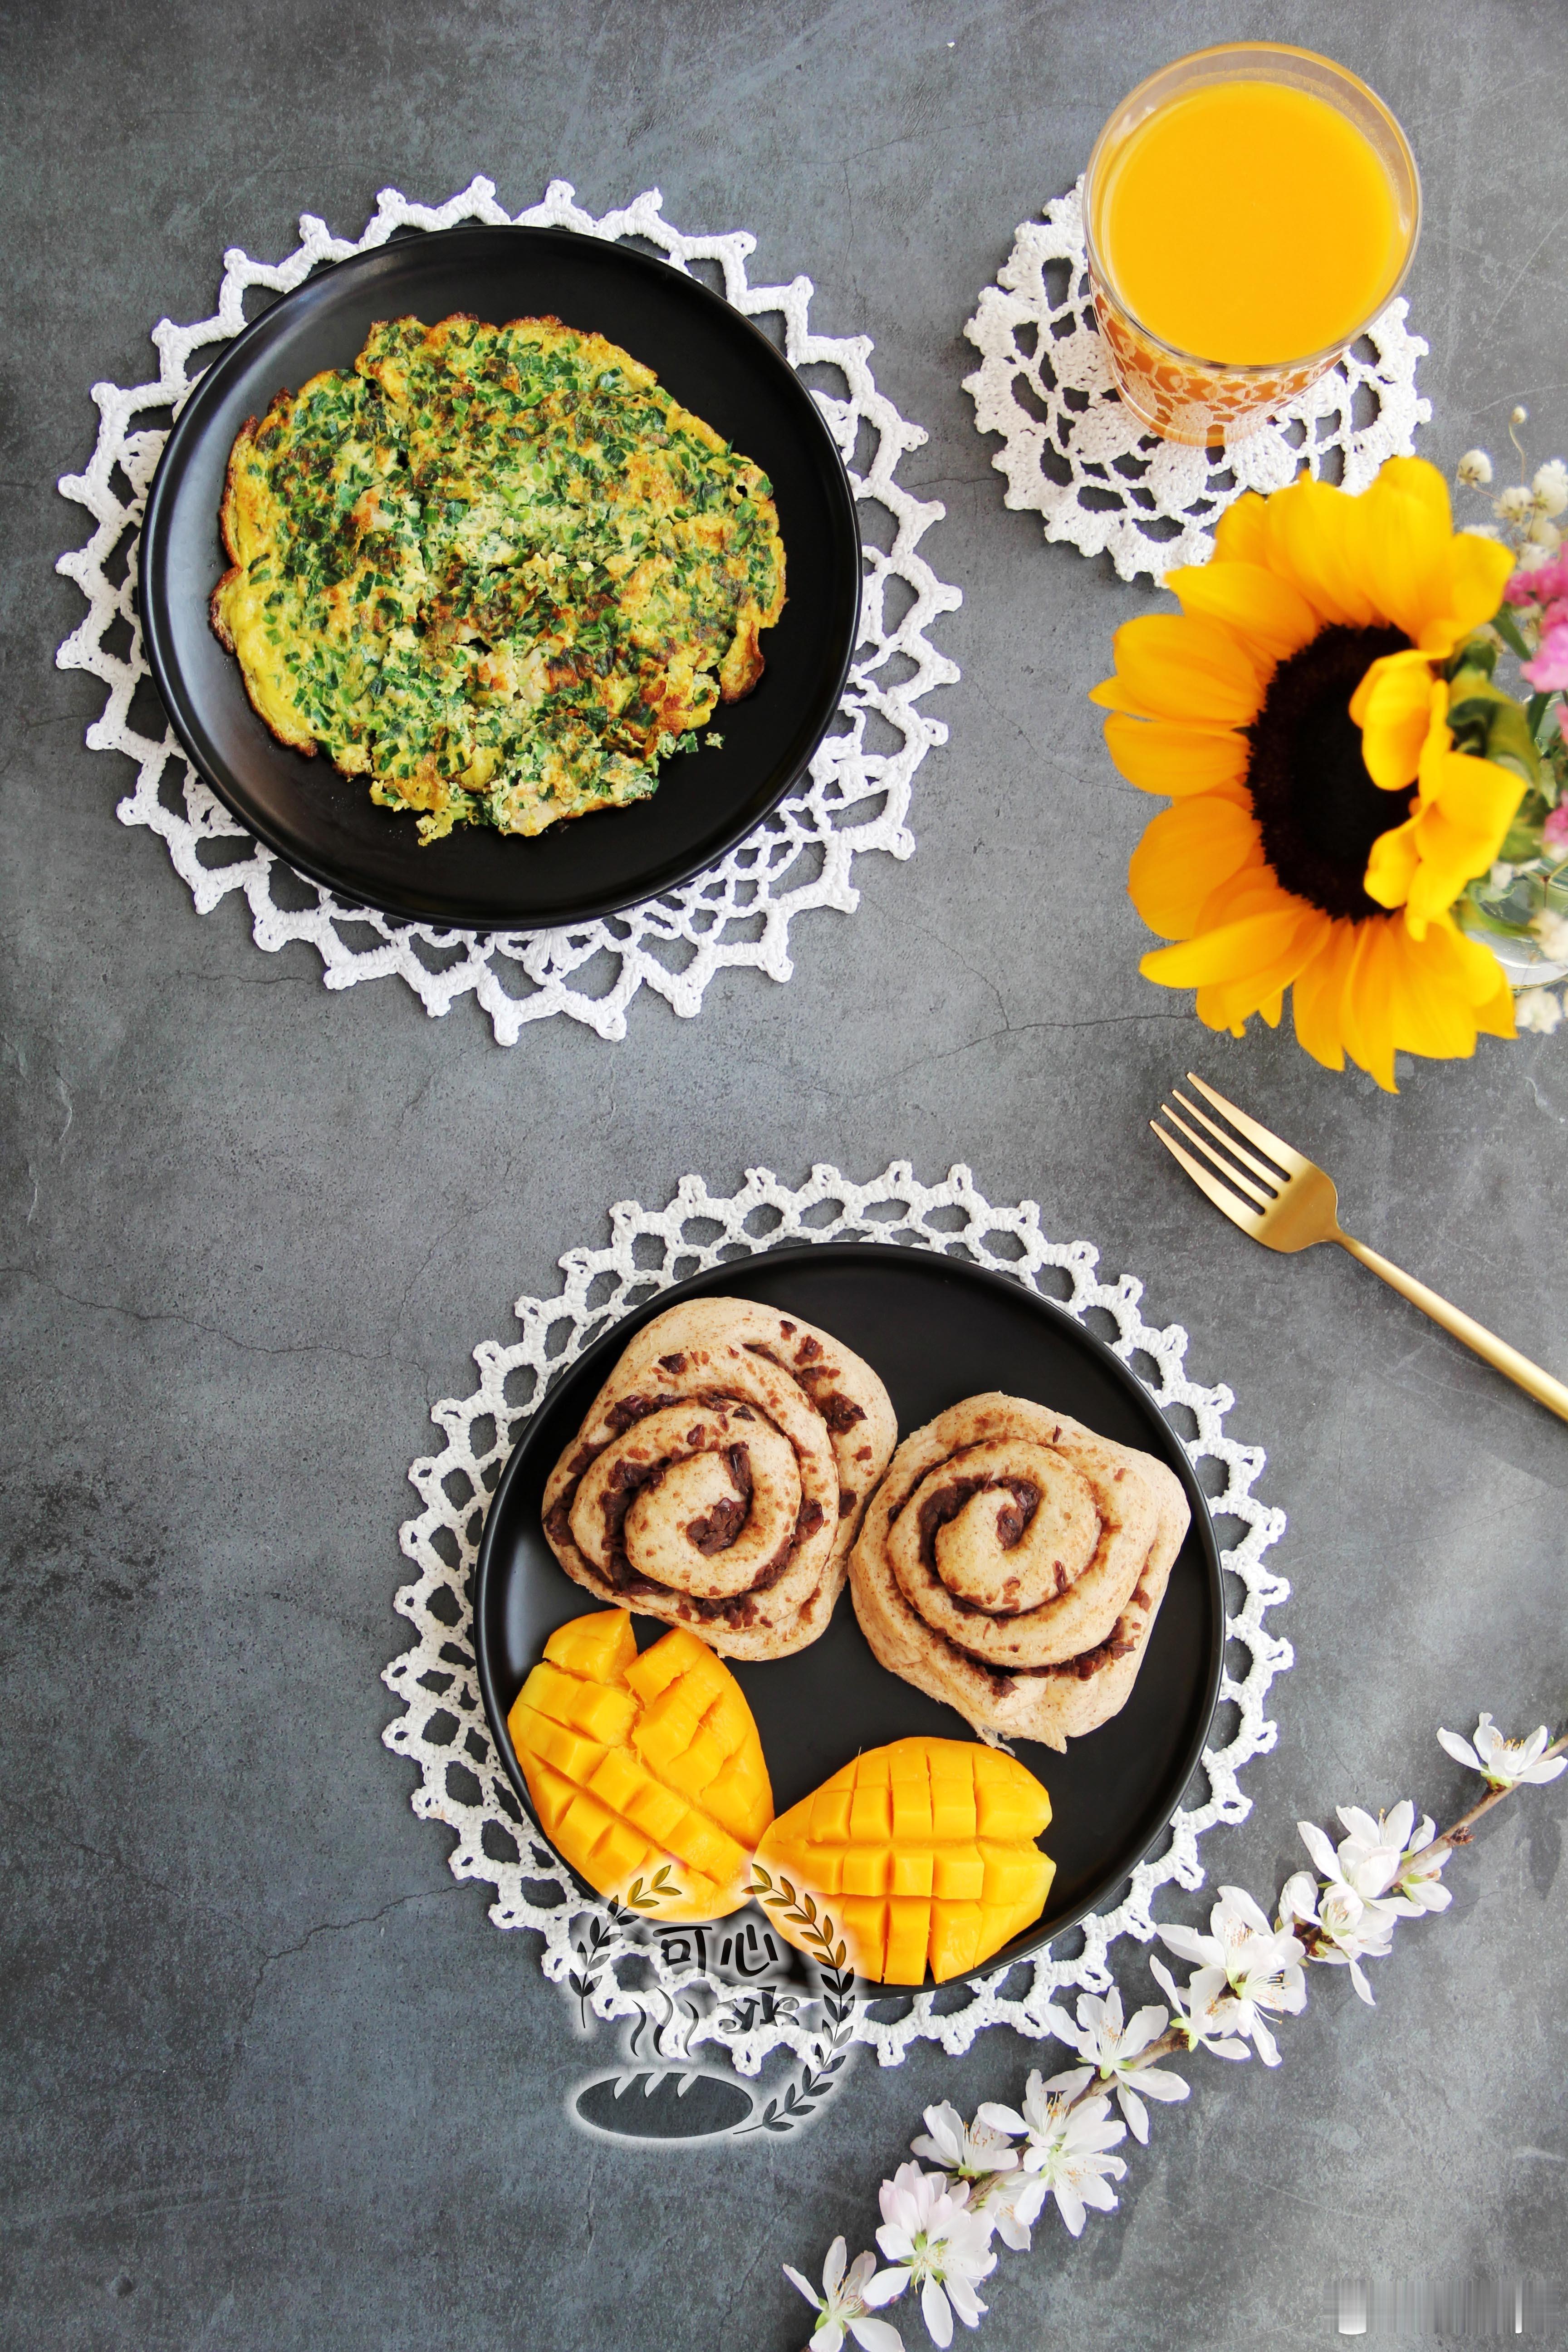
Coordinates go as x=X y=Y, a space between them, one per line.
x=1488 y=724
x=1508 y=630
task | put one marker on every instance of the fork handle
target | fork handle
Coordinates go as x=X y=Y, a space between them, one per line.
x=1551 y=1394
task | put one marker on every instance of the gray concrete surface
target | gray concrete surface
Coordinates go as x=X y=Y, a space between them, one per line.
x=271 y=2079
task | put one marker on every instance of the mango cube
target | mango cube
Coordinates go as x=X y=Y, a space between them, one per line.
x=635 y=1764
x=922 y=1852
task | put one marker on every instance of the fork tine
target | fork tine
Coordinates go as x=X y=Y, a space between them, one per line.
x=1224 y=1198
x=1272 y=1177
x=1288 y=1158
x=1233 y=1175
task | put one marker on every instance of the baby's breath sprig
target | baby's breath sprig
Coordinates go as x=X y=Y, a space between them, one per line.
x=1521 y=906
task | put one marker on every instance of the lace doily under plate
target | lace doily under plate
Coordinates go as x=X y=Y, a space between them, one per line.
x=442 y=1729
x=856 y=798
x=1099 y=478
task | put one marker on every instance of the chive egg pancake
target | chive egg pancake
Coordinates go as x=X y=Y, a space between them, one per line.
x=496 y=569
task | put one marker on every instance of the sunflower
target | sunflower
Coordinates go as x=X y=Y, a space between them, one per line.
x=1321 y=823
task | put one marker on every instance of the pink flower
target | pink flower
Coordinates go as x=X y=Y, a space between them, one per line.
x=1554 y=832
x=1534 y=587
x=1550 y=667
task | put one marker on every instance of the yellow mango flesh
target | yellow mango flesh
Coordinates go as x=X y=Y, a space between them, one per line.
x=924 y=1854
x=635 y=1764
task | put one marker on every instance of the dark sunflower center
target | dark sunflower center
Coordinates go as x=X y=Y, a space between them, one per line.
x=1319 y=809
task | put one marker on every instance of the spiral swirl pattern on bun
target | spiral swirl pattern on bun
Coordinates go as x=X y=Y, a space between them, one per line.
x=722 y=1474
x=1012 y=1564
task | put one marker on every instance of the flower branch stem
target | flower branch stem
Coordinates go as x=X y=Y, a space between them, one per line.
x=1458 y=1835
x=1171 y=2042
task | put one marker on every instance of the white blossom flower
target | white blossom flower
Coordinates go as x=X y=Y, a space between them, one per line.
x=1102 y=2041
x=1375 y=1878
x=1411 y=1886
x=843 y=2304
x=1260 y=1965
x=970 y=2151
x=935 y=2243
x=1537 y=1009
x=1543 y=533
x=1206 y=2023
x=1349 y=1927
x=1505 y=1763
x=1519 y=415
x=1474 y=469
x=1550 y=487
x=1550 y=933
x=1013 y=2200
x=1501 y=874
x=1532 y=555
x=1418 y=1884
x=1067 y=2145
x=1513 y=503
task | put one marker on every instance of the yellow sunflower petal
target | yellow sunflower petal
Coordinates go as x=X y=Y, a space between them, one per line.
x=1312 y=543
x=1393 y=866
x=1231 y=953
x=1255 y=889
x=1431 y=1015
x=1317 y=994
x=1253 y=991
x=1464 y=810
x=1176 y=761
x=1494 y=1015
x=1478 y=795
x=1481 y=976
x=1251 y=600
x=1400 y=551
x=1111 y=695
x=1450 y=855
x=1418 y=479
x=1367 y=1011
x=1476 y=573
x=1192 y=671
x=1185 y=851
x=1392 y=707
x=1206 y=1006
x=1241 y=534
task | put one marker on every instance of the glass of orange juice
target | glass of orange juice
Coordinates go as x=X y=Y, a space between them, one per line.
x=1248 y=212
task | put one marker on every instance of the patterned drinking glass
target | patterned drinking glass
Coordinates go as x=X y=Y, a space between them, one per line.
x=1182 y=395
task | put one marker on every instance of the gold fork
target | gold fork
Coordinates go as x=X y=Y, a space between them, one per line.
x=1288 y=1202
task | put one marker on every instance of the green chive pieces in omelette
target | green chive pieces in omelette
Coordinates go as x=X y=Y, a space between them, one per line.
x=496 y=569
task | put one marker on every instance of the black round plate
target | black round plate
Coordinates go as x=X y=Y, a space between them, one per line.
x=936 y=1329
x=710 y=358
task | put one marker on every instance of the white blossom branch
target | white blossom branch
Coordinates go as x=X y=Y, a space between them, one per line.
x=994 y=2176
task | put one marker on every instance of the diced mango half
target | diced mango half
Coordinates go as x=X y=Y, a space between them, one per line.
x=638 y=1763
x=924 y=1854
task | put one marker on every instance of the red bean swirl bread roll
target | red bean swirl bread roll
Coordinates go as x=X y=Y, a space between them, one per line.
x=1012 y=1564
x=720 y=1475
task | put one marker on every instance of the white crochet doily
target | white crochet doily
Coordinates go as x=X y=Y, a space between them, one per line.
x=1072 y=451
x=442 y=1729
x=857 y=796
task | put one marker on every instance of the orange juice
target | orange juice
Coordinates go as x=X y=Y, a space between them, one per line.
x=1251 y=223
x=1249 y=211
